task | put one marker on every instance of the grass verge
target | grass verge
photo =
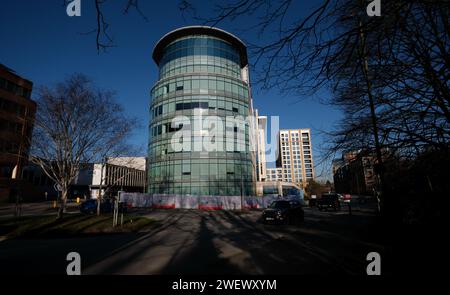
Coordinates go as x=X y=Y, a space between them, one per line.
x=70 y=226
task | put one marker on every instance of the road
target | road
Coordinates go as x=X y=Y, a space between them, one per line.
x=203 y=242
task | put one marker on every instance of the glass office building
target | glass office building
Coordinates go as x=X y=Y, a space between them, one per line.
x=195 y=146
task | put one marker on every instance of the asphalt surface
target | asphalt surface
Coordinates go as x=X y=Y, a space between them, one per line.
x=203 y=242
x=30 y=209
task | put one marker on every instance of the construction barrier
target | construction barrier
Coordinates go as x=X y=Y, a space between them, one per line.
x=163 y=201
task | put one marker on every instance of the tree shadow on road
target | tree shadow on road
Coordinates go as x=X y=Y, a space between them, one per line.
x=202 y=258
x=306 y=249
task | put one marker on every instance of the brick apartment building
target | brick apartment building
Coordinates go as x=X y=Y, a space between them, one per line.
x=354 y=173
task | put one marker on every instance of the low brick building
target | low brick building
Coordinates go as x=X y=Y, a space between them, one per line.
x=354 y=173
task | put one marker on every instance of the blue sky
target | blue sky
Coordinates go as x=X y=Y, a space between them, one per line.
x=43 y=44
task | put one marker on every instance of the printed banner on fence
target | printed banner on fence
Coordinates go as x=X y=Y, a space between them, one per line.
x=163 y=201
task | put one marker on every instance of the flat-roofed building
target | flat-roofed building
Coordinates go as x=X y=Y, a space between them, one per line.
x=354 y=173
x=261 y=168
x=203 y=75
x=119 y=174
x=17 y=112
x=274 y=174
x=295 y=156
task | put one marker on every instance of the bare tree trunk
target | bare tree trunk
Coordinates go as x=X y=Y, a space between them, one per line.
x=62 y=204
x=99 y=199
x=379 y=165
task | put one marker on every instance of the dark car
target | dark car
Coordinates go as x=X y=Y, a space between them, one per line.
x=90 y=206
x=283 y=212
x=329 y=201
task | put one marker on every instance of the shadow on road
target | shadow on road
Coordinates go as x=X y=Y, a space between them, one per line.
x=202 y=242
x=202 y=258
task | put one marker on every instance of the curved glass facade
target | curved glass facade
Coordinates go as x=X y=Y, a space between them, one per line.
x=200 y=54
x=200 y=80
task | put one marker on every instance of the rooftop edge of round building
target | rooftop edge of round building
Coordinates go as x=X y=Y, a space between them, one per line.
x=200 y=30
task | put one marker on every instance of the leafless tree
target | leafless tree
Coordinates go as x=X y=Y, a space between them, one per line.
x=76 y=123
x=103 y=38
x=389 y=74
x=408 y=73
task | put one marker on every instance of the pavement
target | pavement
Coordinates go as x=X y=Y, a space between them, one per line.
x=7 y=210
x=209 y=242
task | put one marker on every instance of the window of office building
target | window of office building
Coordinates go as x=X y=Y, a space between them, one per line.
x=199 y=73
